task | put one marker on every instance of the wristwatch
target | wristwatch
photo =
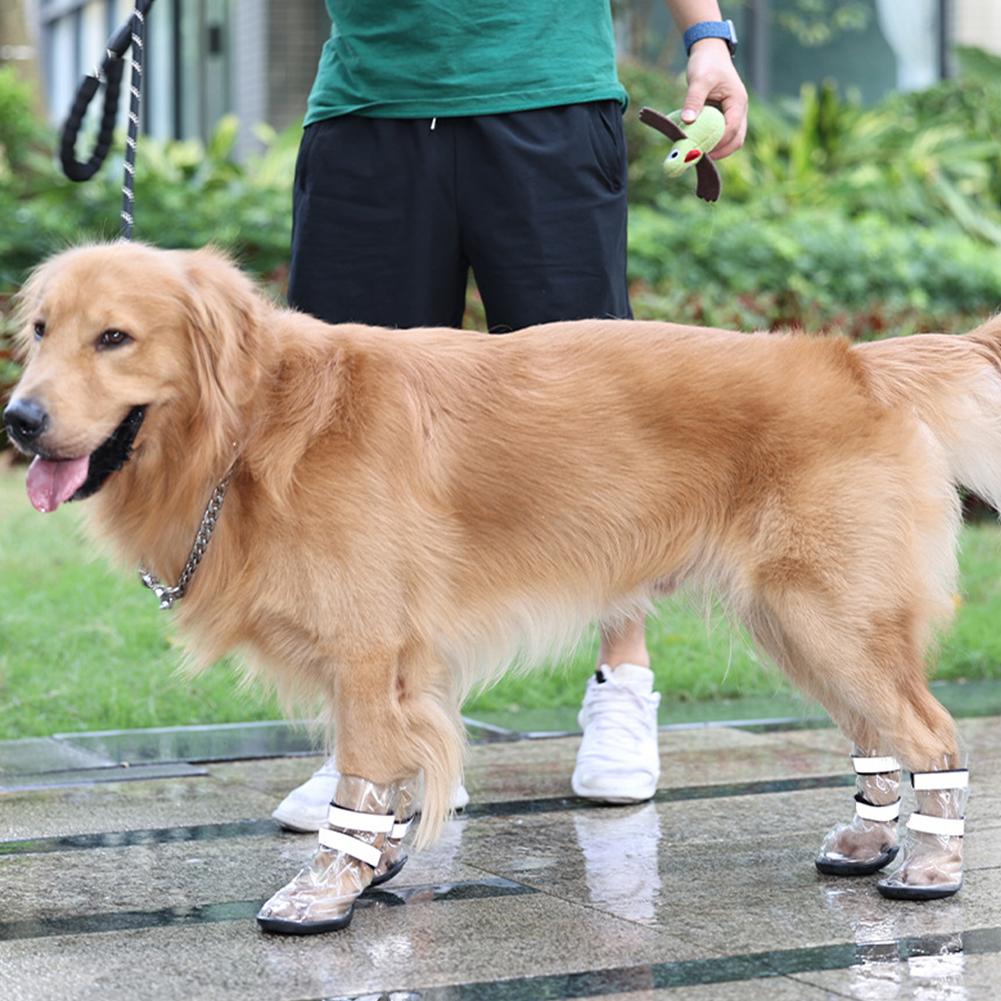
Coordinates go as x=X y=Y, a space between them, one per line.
x=711 y=29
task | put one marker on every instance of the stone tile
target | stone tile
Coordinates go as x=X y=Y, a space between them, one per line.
x=542 y=768
x=951 y=976
x=808 y=910
x=979 y=736
x=764 y=989
x=384 y=949
x=275 y=777
x=717 y=866
x=186 y=874
x=127 y=806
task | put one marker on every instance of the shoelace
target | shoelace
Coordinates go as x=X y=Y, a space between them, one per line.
x=613 y=707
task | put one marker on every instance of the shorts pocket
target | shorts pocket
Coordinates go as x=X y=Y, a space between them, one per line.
x=608 y=142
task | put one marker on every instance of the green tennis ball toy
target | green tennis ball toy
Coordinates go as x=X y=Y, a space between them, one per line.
x=690 y=145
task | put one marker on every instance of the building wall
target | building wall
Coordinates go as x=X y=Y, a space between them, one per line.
x=257 y=58
x=298 y=29
x=977 y=22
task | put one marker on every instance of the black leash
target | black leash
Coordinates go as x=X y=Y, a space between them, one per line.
x=109 y=71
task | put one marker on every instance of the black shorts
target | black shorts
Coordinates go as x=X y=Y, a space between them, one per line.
x=390 y=214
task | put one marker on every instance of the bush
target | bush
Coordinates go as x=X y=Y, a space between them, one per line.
x=187 y=193
x=729 y=265
x=833 y=214
x=917 y=158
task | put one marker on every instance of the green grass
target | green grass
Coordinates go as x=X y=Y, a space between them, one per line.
x=83 y=646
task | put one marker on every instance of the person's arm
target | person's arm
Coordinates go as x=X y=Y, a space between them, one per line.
x=712 y=75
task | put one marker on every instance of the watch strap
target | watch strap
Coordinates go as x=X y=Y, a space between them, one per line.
x=711 y=29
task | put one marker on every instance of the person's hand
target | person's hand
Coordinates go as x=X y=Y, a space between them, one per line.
x=713 y=77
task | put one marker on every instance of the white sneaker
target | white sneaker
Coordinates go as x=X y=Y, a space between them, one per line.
x=618 y=760
x=305 y=807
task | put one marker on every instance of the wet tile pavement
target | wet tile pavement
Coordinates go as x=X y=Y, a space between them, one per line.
x=131 y=866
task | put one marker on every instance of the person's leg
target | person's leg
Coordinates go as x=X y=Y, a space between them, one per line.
x=542 y=198
x=374 y=234
x=625 y=644
x=374 y=240
x=542 y=203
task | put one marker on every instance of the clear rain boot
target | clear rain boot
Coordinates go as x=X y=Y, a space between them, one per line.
x=393 y=857
x=869 y=842
x=933 y=856
x=322 y=896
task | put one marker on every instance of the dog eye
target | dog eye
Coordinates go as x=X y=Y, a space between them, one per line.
x=112 y=339
x=39 y=330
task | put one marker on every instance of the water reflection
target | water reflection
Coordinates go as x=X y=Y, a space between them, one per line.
x=927 y=967
x=620 y=859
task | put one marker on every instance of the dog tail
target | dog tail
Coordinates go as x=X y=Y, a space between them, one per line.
x=954 y=385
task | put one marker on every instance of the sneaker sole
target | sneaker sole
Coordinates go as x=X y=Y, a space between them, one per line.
x=292 y=823
x=614 y=800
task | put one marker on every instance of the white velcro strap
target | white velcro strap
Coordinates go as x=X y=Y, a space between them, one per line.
x=352 y=820
x=400 y=829
x=957 y=778
x=883 y=813
x=945 y=826
x=350 y=846
x=874 y=766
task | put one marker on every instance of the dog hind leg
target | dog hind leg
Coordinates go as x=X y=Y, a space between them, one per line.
x=857 y=643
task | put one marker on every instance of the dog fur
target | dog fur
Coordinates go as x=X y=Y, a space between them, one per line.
x=414 y=511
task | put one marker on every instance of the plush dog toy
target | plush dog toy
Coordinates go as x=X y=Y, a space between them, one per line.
x=692 y=145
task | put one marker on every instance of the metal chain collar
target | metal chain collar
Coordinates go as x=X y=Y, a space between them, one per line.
x=168 y=595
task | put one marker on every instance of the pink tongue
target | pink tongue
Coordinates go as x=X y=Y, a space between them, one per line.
x=50 y=483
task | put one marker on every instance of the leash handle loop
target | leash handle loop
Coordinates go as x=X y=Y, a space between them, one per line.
x=74 y=169
x=109 y=72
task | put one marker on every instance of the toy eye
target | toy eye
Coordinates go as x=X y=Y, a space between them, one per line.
x=39 y=330
x=112 y=339
x=674 y=155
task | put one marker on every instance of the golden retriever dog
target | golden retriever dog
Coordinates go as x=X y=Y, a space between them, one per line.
x=411 y=512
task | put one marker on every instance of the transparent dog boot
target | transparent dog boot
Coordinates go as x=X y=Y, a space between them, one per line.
x=393 y=856
x=933 y=855
x=322 y=896
x=869 y=842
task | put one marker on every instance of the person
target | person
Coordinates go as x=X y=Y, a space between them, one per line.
x=488 y=135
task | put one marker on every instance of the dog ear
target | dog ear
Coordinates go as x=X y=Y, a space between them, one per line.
x=225 y=321
x=26 y=302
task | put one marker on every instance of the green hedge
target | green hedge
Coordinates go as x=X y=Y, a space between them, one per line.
x=727 y=265
x=874 y=219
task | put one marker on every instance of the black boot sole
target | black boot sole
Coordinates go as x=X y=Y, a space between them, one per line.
x=918 y=892
x=846 y=868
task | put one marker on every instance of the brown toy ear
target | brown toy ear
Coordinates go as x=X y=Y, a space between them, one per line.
x=662 y=124
x=709 y=184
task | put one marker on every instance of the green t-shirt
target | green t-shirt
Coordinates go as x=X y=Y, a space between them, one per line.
x=436 y=58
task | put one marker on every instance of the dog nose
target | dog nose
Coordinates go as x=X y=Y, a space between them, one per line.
x=25 y=420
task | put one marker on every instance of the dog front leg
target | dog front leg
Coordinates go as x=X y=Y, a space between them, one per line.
x=360 y=843
x=351 y=843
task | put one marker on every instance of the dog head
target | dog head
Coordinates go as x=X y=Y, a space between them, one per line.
x=122 y=343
